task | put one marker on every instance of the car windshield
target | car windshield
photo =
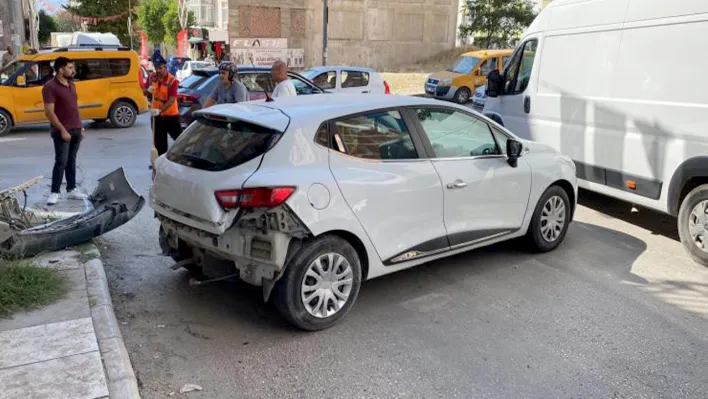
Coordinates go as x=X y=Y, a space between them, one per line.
x=464 y=64
x=7 y=72
x=217 y=145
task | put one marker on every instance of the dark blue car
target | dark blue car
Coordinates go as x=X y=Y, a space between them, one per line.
x=173 y=63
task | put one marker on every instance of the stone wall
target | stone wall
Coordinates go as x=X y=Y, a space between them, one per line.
x=376 y=33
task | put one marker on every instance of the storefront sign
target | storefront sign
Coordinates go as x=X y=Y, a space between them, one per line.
x=294 y=57
x=243 y=42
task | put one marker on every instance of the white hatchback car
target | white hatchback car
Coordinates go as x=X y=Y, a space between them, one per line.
x=309 y=196
x=348 y=79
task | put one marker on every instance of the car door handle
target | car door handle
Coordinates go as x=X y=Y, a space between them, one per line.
x=527 y=104
x=365 y=91
x=457 y=184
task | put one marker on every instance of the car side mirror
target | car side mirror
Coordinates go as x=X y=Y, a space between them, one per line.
x=21 y=81
x=513 y=152
x=476 y=72
x=494 y=83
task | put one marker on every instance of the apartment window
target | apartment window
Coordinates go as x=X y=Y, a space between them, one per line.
x=224 y=14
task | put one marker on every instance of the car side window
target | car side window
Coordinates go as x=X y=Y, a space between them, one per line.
x=38 y=74
x=501 y=139
x=119 y=66
x=519 y=72
x=302 y=88
x=489 y=65
x=256 y=82
x=454 y=134
x=89 y=69
x=326 y=80
x=379 y=136
x=354 y=79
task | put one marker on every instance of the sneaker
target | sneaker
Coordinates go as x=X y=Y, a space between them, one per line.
x=53 y=199
x=76 y=195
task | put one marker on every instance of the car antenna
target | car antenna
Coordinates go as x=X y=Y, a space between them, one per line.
x=265 y=90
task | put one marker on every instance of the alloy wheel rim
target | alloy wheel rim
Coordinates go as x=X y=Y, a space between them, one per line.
x=698 y=225
x=327 y=284
x=124 y=115
x=553 y=218
x=4 y=123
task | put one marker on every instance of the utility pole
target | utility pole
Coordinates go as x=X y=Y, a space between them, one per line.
x=130 y=24
x=325 y=24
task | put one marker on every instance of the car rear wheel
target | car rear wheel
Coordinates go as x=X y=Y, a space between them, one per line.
x=693 y=224
x=123 y=114
x=550 y=221
x=320 y=284
x=5 y=123
x=462 y=95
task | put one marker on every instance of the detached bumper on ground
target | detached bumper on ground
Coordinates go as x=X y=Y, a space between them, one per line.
x=112 y=204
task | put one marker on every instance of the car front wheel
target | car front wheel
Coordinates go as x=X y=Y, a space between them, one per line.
x=693 y=224
x=5 y=123
x=462 y=95
x=551 y=219
x=320 y=284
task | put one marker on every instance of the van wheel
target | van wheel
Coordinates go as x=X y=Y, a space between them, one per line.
x=462 y=95
x=123 y=114
x=320 y=284
x=5 y=123
x=693 y=224
x=550 y=221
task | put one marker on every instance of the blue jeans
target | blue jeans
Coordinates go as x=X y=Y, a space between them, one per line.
x=65 y=159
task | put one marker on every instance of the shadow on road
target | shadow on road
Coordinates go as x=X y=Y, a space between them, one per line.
x=656 y=222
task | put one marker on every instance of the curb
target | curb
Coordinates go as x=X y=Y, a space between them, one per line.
x=120 y=376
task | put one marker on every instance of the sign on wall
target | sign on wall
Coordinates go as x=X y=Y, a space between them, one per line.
x=295 y=58
x=243 y=42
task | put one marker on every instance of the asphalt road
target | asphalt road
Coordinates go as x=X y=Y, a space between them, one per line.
x=617 y=311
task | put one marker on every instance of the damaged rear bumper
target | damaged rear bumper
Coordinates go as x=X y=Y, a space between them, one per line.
x=112 y=204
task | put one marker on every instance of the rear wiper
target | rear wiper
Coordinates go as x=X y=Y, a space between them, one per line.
x=197 y=158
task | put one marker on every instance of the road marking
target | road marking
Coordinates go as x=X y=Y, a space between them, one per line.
x=9 y=139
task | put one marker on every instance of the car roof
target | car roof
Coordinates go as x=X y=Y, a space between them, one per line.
x=333 y=67
x=488 y=53
x=321 y=106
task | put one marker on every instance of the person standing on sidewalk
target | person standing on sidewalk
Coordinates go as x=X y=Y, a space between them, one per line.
x=62 y=110
x=229 y=89
x=283 y=85
x=8 y=57
x=165 y=110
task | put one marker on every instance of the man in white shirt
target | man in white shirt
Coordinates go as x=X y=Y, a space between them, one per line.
x=283 y=85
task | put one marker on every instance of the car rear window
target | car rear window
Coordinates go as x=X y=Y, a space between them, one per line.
x=192 y=82
x=219 y=145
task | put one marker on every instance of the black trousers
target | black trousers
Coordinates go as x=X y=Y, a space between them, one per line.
x=166 y=125
x=65 y=159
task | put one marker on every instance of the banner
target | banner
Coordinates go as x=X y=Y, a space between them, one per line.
x=258 y=56
x=144 y=46
x=182 y=44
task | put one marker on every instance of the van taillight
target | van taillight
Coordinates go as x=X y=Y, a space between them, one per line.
x=387 y=88
x=259 y=197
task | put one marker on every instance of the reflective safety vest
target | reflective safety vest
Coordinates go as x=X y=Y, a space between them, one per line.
x=160 y=95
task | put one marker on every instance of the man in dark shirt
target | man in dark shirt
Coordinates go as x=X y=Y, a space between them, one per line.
x=62 y=110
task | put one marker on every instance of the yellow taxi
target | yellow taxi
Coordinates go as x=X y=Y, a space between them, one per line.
x=107 y=83
x=469 y=72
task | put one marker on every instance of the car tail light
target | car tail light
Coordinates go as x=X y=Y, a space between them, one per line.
x=387 y=89
x=188 y=98
x=260 y=197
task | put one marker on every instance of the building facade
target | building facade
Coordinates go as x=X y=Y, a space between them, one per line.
x=13 y=31
x=377 y=33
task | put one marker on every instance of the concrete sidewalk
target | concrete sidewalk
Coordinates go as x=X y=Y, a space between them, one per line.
x=72 y=348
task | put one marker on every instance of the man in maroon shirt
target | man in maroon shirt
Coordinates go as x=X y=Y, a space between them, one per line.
x=62 y=110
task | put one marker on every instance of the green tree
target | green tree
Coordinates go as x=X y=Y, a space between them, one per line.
x=170 y=20
x=150 y=13
x=495 y=22
x=106 y=8
x=65 y=23
x=47 y=25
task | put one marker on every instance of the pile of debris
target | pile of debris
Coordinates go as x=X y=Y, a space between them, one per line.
x=25 y=232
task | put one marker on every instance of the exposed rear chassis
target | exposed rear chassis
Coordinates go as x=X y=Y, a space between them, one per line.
x=258 y=243
x=112 y=204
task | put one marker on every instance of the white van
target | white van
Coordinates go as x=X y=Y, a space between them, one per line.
x=620 y=87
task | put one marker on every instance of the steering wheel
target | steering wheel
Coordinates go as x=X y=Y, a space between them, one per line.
x=486 y=149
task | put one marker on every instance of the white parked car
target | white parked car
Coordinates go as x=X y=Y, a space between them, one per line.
x=479 y=98
x=339 y=79
x=186 y=69
x=309 y=196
